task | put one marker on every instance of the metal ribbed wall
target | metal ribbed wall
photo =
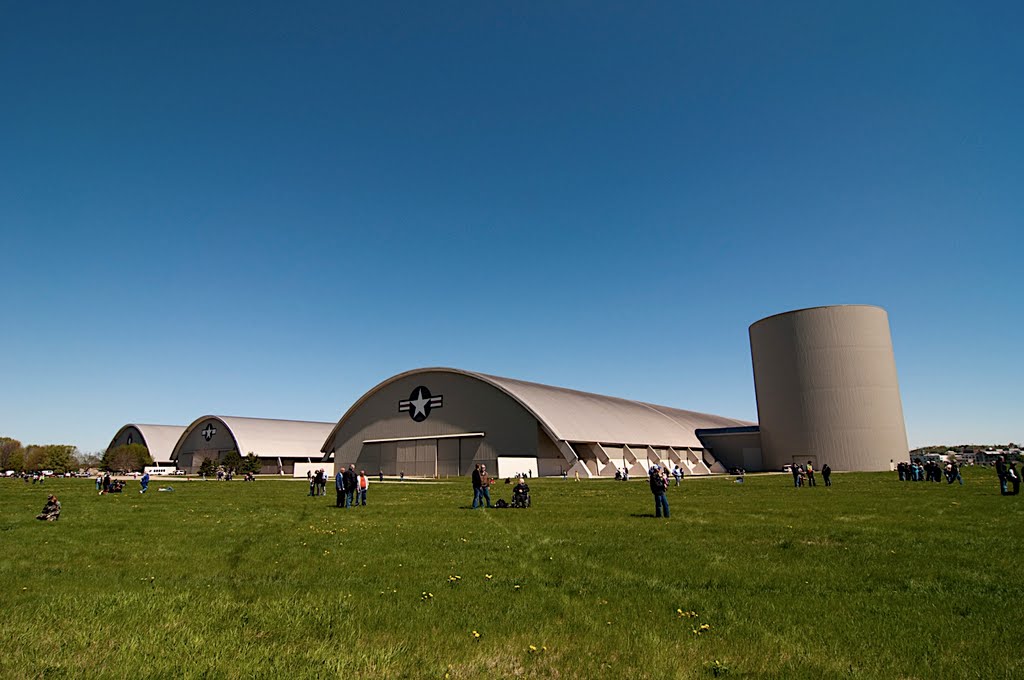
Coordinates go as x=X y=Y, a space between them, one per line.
x=826 y=388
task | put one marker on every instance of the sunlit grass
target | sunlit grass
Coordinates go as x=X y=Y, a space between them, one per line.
x=871 y=578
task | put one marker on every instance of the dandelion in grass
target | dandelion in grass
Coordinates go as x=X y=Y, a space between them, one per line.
x=475 y=635
x=533 y=649
x=488 y=576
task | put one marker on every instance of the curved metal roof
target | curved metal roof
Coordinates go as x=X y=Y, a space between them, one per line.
x=571 y=415
x=158 y=439
x=268 y=438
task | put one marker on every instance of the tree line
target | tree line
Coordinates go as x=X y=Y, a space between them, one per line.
x=62 y=458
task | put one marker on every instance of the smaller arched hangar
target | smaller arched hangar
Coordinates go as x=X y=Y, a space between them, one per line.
x=158 y=439
x=443 y=421
x=279 y=444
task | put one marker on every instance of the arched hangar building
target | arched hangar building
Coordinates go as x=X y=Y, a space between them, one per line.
x=441 y=421
x=279 y=444
x=158 y=439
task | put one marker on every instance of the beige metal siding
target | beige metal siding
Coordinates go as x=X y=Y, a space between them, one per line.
x=827 y=389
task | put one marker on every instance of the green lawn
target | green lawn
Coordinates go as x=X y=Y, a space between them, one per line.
x=872 y=578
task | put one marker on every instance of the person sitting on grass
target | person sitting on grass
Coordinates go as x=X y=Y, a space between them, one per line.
x=51 y=511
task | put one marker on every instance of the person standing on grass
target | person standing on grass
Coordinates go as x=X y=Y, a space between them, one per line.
x=810 y=475
x=339 y=488
x=1001 y=472
x=364 y=484
x=676 y=474
x=350 y=484
x=476 y=485
x=795 y=469
x=826 y=474
x=1014 y=478
x=658 y=488
x=312 y=484
x=485 y=486
x=380 y=475
x=144 y=482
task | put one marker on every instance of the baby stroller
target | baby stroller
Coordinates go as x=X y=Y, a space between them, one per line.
x=521 y=496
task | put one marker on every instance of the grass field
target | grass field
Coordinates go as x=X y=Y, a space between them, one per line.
x=872 y=578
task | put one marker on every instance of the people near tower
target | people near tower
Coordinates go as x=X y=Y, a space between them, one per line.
x=339 y=489
x=810 y=474
x=826 y=474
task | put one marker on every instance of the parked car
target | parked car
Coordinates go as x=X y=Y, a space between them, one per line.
x=787 y=468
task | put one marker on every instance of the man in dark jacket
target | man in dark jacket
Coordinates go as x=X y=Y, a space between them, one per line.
x=476 y=485
x=1001 y=471
x=339 y=488
x=658 y=488
x=826 y=474
x=349 y=480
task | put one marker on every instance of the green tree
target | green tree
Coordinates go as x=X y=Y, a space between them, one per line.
x=208 y=467
x=251 y=463
x=232 y=460
x=127 y=458
x=57 y=457
x=12 y=455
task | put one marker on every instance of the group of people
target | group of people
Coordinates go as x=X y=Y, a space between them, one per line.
x=317 y=482
x=1009 y=477
x=803 y=475
x=106 y=484
x=481 y=486
x=928 y=471
x=351 y=488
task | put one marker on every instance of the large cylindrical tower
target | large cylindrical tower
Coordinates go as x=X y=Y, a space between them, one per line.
x=826 y=387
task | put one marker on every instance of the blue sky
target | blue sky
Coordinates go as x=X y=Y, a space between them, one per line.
x=265 y=209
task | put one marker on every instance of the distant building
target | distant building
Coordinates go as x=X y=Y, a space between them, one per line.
x=158 y=439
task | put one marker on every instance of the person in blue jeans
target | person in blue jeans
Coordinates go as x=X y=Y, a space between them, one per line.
x=476 y=485
x=145 y=483
x=658 y=488
x=350 y=483
x=339 y=488
x=485 y=483
x=363 y=483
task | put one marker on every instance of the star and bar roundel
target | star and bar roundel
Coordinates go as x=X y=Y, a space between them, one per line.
x=420 y=403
